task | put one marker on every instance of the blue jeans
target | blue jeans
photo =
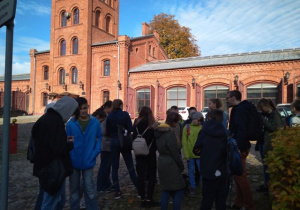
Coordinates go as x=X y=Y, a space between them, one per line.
x=103 y=179
x=88 y=187
x=55 y=202
x=266 y=175
x=177 y=199
x=127 y=156
x=39 y=200
x=191 y=166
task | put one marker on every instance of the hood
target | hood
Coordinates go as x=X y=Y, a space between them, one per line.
x=65 y=107
x=214 y=128
x=161 y=129
x=49 y=106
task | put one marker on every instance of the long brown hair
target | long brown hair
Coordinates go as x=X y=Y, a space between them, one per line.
x=146 y=113
x=266 y=102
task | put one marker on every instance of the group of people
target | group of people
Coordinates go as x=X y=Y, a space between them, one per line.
x=66 y=132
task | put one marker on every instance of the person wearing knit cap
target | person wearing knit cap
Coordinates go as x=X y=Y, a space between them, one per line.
x=189 y=137
x=51 y=144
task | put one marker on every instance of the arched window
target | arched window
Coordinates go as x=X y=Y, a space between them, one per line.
x=75 y=46
x=108 y=24
x=62 y=76
x=176 y=96
x=76 y=16
x=46 y=72
x=216 y=91
x=107 y=68
x=63 y=47
x=142 y=98
x=63 y=19
x=262 y=90
x=74 y=75
x=97 y=19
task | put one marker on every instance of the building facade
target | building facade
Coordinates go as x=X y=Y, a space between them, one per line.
x=89 y=58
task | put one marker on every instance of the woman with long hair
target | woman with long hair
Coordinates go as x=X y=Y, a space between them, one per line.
x=146 y=165
x=271 y=122
x=103 y=177
x=115 y=119
x=216 y=103
x=170 y=165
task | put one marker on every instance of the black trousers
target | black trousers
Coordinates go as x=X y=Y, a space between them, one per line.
x=146 y=171
x=214 y=191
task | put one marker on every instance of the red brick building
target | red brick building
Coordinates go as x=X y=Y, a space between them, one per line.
x=88 y=58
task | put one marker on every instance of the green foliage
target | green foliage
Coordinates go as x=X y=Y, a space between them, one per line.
x=284 y=169
x=177 y=40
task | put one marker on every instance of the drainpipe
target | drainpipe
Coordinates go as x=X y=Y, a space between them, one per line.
x=118 y=70
x=33 y=88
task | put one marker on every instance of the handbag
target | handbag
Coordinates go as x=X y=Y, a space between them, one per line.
x=52 y=176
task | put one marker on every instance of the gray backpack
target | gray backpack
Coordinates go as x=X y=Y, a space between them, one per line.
x=139 y=144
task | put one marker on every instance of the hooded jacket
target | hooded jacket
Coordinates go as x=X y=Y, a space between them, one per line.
x=189 y=139
x=87 y=145
x=170 y=165
x=212 y=143
x=238 y=125
x=50 y=137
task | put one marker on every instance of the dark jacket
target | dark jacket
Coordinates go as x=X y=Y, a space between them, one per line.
x=149 y=135
x=238 y=125
x=170 y=165
x=271 y=124
x=212 y=143
x=51 y=142
x=115 y=118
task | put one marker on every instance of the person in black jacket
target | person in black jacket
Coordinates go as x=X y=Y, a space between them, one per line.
x=211 y=146
x=146 y=165
x=118 y=118
x=51 y=143
x=238 y=126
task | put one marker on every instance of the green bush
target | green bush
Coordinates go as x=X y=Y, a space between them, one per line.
x=284 y=169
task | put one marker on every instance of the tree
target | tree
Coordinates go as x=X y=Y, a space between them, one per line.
x=177 y=40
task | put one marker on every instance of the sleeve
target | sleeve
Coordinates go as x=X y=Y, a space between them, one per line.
x=128 y=123
x=273 y=124
x=99 y=136
x=184 y=143
x=172 y=145
x=199 y=144
x=134 y=135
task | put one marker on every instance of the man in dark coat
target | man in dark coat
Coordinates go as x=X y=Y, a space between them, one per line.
x=238 y=126
x=52 y=144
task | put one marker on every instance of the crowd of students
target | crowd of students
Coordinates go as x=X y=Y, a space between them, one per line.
x=202 y=142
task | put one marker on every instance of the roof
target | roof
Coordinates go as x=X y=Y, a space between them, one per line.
x=17 y=77
x=216 y=60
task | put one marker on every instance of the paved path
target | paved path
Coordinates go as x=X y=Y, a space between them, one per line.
x=23 y=187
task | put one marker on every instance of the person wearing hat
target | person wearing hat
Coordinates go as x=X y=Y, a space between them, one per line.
x=189 y=137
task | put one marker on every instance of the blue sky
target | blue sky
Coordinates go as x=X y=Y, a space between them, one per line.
x=219 y=26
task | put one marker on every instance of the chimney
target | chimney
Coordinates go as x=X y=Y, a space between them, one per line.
x=145 y=29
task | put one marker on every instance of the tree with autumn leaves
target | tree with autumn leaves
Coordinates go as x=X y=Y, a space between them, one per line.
x=177 y=40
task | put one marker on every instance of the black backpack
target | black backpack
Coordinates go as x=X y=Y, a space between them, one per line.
x=255 y=124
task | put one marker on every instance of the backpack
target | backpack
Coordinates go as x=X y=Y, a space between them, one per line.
x=234 y=161
x=31 y=150
x=255 y=124
x=139 y=144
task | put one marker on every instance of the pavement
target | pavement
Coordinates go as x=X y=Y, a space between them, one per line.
x=23 y=187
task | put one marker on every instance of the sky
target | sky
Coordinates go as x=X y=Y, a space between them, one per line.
x=219 y=26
